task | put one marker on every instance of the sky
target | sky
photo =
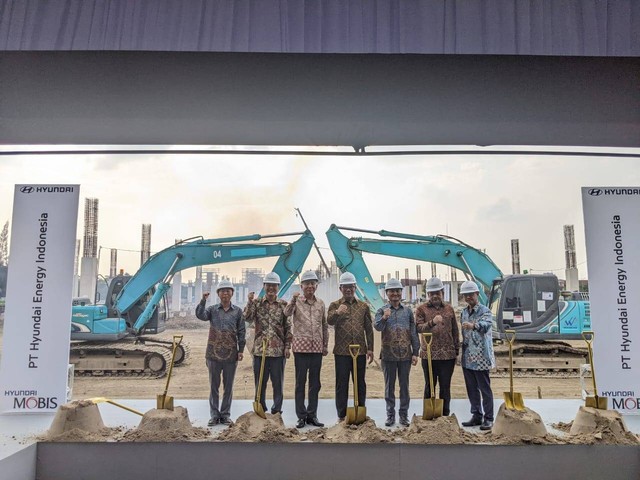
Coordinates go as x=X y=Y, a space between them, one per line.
x=483 y=200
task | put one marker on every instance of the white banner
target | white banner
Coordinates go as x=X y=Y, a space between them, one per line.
x=612 y=231
x=35 y=352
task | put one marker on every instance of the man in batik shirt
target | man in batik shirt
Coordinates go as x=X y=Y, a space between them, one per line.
x=271 y=323
x=224 y=348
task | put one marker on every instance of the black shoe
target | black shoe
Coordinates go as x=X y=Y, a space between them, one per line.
x=486 y=425
x=404 y=421
x=212 y=422
x=225 y=421
x=301 y=423
x=314 y=421
x=390 y=421
x=273 y=412
x=341 y=419
x=473 y=422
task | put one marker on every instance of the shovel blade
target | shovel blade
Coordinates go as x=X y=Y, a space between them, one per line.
x=258 y=410
x=432 y=408
x=356 y=415
x=596 y=402
x=164 y=402
x=514 y=401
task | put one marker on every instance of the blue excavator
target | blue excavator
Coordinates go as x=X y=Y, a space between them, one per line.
x=532 y=305
x=117 y=338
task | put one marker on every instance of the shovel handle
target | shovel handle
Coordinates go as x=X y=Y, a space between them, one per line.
x=264 y=355
x=510 y=335
x=428 y=337
x=177 y=340
x=588 y=337
x=354 y=351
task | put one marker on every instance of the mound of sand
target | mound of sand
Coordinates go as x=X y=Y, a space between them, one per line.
x=440 y=431
x=516 y=423
x=166 y=426
x=252 y=428
x=81 y=415
x=366 y=432
x=79 y=421
x=592 y=426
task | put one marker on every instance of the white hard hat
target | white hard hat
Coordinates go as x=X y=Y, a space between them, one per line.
x=392 y=284
x=347 y=278
x=309 y=275
x=272 y=277
x=434 y=284
x=469 y=287
x=224 y=284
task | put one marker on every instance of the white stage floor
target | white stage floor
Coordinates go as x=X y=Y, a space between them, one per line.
x=17 y=431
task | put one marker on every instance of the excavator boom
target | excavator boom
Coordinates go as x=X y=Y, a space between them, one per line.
x=129 y=311
x=529 y=304
x=437 y=249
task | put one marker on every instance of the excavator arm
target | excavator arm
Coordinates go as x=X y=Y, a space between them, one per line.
x=437 y=249
x=159 y=269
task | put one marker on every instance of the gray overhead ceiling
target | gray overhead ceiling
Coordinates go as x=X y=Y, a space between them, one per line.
x=389 y=72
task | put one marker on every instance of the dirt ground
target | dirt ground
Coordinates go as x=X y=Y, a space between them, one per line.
x=191 y=381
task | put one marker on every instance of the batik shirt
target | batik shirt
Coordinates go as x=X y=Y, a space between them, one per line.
x=270 y=323
x=445 y=340
x=477 y=344
x=310 y=329
x=399 y=336
x=226 y=331
x=351 y=328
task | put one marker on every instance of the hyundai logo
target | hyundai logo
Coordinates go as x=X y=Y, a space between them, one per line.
x=26 y=189
x=595 y=192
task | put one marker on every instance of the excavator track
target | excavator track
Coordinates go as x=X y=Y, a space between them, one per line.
x=183 y=352
x=544 y=359
x=119 y=359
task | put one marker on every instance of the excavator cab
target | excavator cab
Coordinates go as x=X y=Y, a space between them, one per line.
x=531 y=305
x=157 y=322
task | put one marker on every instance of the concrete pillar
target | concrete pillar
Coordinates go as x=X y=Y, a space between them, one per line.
x=573 y=284
x=88 y=275
x=190 y=293
x=209 y=284
x=198 y=292
x=176 y=293
x=454 y=293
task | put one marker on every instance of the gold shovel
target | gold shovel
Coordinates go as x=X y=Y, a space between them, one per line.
x=513 y=400
x=164 y=401
x=432 y=407
x=356 y=414
x=257 y=406
x=97 y=400
x=595 y=401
